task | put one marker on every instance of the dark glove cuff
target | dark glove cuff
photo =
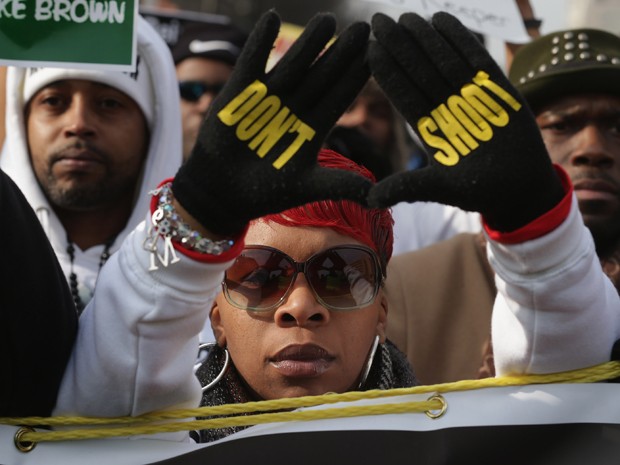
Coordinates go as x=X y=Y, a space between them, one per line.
x=542 y=225
x=213 y=252
x=213 y=214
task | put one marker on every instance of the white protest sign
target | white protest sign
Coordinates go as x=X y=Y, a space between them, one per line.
x=498 y=18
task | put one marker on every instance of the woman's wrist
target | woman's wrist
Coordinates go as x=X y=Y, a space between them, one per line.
x=171 y=220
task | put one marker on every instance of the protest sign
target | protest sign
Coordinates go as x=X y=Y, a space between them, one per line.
x=69 y=33
x=500 y=19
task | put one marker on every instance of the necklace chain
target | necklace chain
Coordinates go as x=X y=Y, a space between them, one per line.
x=73 y=281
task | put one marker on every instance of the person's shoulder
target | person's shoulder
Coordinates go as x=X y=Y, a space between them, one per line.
x=420 y=224
x=454 y=245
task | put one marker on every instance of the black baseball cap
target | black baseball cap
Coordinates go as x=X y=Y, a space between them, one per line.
x=222 y=42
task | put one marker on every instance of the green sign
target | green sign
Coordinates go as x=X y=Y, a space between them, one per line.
x=69 y=33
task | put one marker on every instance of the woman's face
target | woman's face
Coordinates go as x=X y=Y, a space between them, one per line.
x=300 y=348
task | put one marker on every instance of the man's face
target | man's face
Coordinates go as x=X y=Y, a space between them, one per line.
x=87 y=143
x=582 y=134
x=372 y=114
x=212 y=74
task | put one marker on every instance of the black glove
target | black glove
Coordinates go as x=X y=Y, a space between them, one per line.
x=486 y=153
x=257 y=147
x=356 y=146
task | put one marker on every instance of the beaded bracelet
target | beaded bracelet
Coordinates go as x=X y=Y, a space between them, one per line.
x=167 y=223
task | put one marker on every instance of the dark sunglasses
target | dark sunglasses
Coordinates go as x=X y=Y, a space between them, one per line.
x=193 y=90
x=345 y=277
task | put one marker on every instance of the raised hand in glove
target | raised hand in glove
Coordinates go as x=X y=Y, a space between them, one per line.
x=257 y=147
x=486 y=153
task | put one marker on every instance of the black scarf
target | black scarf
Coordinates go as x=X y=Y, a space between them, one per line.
x=390 y=370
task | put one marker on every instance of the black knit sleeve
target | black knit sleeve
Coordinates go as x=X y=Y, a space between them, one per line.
x=38 y=321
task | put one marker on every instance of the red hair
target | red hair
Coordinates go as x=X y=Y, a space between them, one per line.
x=372 y=227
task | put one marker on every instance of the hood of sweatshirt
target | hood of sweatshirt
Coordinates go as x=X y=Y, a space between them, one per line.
x=162 y=160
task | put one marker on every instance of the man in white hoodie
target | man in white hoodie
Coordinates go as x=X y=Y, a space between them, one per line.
x=85 y=146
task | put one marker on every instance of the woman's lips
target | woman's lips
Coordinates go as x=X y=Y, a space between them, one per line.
x=302 y=361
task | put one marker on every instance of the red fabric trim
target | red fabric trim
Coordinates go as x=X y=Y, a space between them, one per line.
x=542 y=225
x=239 y=242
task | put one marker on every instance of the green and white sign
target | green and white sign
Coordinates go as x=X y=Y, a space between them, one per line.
x=69 y=33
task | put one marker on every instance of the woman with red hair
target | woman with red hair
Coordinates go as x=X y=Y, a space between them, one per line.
x=302 y=309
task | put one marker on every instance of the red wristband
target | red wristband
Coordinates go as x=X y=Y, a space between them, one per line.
x=234 y=245
x=544 y=223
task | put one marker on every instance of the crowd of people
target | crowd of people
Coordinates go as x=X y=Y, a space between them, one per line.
x=252 y=209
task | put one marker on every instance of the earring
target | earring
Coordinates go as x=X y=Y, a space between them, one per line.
x=368 y=365
x=210 y=346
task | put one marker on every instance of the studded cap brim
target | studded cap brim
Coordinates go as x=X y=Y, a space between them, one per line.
x=583 y=81
x=566 y=62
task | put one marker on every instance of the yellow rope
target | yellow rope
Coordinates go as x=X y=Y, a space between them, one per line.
x=247 y=420
x=145 y=424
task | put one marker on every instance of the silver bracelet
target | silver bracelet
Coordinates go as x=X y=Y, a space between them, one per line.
x=166 y=223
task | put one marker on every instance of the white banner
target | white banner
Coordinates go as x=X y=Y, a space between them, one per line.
x=570 y=424
x=498 y=18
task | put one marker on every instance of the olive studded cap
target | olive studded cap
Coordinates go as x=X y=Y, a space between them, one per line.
x=567 y=62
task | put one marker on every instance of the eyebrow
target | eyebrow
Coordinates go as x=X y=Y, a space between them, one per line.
x=576 y=112
x=64 y=83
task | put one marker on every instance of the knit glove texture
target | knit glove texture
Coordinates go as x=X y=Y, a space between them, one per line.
x=486 y=153
x=257 y=148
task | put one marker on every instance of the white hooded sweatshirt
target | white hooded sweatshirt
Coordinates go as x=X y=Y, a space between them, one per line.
x=162 y=161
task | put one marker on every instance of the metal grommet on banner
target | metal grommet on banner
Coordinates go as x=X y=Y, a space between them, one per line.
x=434 y=414
x=24 y=446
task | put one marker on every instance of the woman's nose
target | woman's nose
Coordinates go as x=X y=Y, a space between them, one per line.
x=301 y=308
